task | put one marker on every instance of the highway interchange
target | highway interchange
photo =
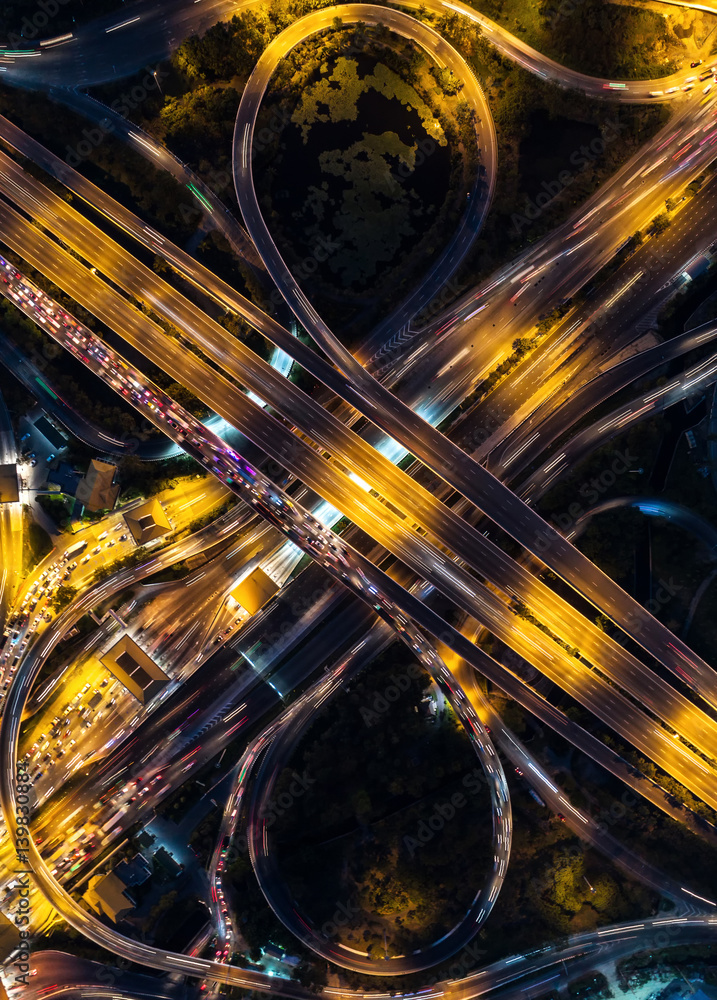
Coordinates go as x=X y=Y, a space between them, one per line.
x=441 y=546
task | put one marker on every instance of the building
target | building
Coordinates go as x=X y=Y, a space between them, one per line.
x=51 y=433
x=254 y=591
x=135 y=871
x=147 y=522
x=9 y=492
x=137 y=671
x=279 y=955
x=65 y=477
x=106 y=895
x=697 y=266
x=145 y=839
x=167 y=863
x=95 y=490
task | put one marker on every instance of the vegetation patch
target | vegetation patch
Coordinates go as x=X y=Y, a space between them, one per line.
x=369 y=830
x=369 y=169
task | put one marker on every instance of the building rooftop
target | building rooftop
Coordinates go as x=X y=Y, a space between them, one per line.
x=50 y=432
x=106 y=895
x=9 y=937
x=254 y=590
x=9 y=492
x=95 y=490
x=165 y=860
x=147 y=522
x=137 y=671
x=135 y=871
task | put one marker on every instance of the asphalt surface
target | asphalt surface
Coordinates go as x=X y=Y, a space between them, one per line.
x=315 y=534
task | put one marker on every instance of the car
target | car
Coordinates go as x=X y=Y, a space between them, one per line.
x=696 y=62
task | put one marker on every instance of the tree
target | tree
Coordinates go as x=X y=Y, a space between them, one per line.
x=659 y=224
x=63 y=596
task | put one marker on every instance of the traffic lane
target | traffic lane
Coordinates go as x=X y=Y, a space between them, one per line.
x=682 y=242
x=459 y=542
x=474 y=482
x=303 y=470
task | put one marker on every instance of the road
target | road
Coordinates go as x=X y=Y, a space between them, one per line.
x=17 y=694
x=11 y=534
x=350 y=568
x=646 y=404
x=39 y=383
x=282 y=741
x=483 y=555
x=419 y=438
x=398 y=537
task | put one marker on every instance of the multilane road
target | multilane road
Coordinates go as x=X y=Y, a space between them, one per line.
x=448 y=461
x=465 y=590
